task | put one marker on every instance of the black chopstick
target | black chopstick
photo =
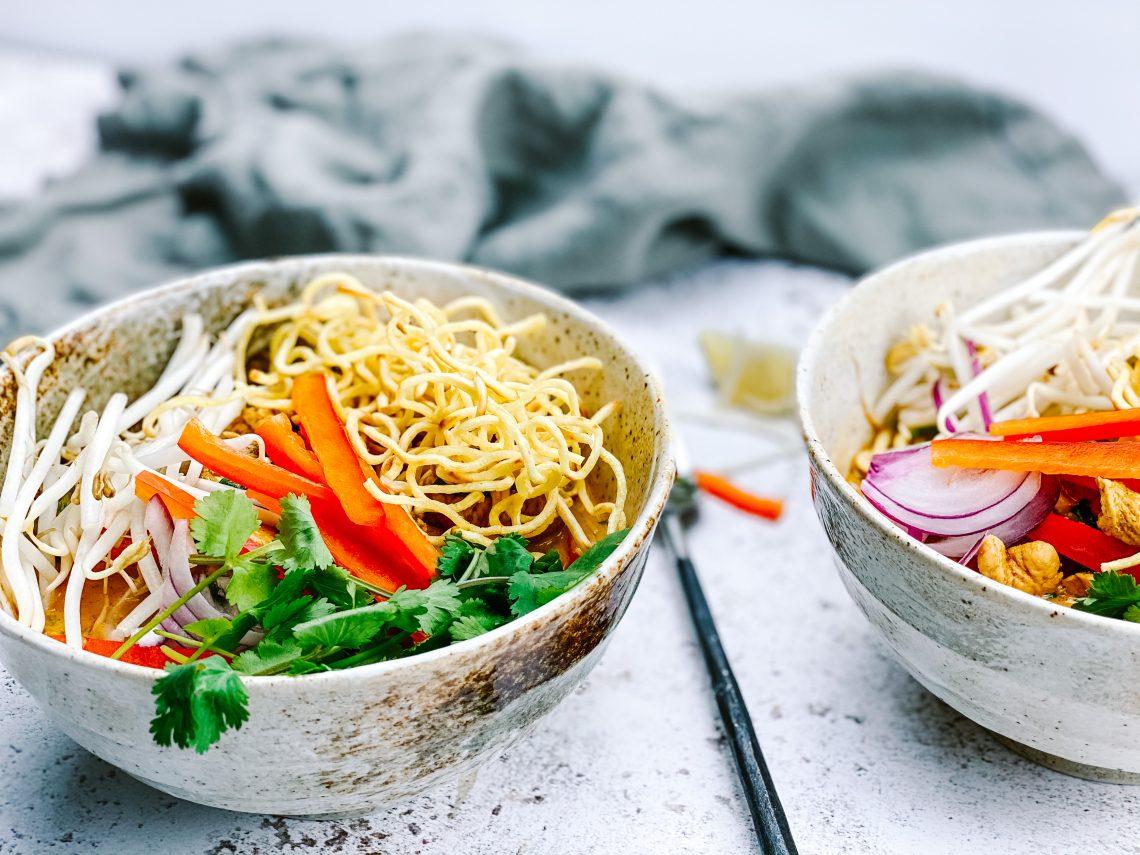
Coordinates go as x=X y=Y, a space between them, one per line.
x=759 y=791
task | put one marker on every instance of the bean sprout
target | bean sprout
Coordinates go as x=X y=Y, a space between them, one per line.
x=1064 y=340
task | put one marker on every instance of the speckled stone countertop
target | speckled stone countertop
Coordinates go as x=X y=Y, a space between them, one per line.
x=866 y=760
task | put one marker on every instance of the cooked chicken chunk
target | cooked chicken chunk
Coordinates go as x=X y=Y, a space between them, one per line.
x=1072 y=588
x=1119 y=511
x=1032 y=567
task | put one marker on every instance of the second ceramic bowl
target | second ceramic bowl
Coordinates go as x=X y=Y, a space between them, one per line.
x=1056 y=684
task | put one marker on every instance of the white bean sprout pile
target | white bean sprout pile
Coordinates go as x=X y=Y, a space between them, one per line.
x=70 y=514
x=1065 y=340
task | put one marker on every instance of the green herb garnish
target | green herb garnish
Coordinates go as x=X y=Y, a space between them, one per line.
x=313 y=616
x=1114 y=595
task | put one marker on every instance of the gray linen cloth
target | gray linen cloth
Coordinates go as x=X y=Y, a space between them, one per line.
x=457 y=147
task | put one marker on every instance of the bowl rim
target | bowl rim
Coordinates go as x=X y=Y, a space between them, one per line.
x=661 y=473
x=809 y=367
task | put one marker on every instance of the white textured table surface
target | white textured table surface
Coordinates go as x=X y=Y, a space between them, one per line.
x=865 y=759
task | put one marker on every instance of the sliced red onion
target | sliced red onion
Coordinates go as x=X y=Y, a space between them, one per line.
x=953 y=508
x=160 y=527
x=1010 y=531
x=973 y=550
x=908 y=480
x=964 y=523
x=983 y=398
x=181 y=546
x=950 y=423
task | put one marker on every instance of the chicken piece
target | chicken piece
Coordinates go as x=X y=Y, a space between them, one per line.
x=1119 y=511
x=1033 y=567
x=1072 y=588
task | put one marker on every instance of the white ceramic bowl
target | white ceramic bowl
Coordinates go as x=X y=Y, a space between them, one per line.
x=349 y=741
x=1058 y=685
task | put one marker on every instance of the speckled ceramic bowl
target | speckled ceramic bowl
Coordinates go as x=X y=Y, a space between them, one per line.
x=1058 y=685
x=350 y=741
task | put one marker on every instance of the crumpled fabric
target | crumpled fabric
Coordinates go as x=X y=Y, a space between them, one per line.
x=454 y=147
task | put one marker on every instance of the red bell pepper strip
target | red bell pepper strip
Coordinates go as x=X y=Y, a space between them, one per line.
x=258 y=475
x=342 y=467
x=1082 y=427
x=401 y=537
x=178 y=502
x=351 y=545
x=393 y=529
x=287 y=449
x=1113 y=460
x=726 y=491
x=356 y=547
x=148 y=657
x=1083 y=544
x=357 y=554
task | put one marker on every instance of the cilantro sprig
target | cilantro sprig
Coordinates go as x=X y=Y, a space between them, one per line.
x=309 y=615
x=1114 y=595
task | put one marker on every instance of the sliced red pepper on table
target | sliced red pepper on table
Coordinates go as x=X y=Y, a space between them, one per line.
x=178 y=502
x=1082 y=427
x=393 y=529
x=1115 y=460
x=726 y=491
x=287 y=449
x=1088 y=546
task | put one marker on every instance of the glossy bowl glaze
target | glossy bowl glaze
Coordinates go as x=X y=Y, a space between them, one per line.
x=1058 y=685
x=349 y=741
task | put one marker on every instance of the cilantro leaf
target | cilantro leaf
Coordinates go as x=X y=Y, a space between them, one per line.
x=528 y=591
x=210 y=628
x=269 y=656
x=428 y=610
x=475 y=618
x=304 y=666
x=454 y=557
x=337 y=586
x=592 y=558
x=225 y=521
x=298 y=533
x=352 y=628
x=281 y=620
x=288 y=588
x=378 y=650
x=551 y=562
x=508 y=555
x=197 y=702
x=1110 y=595
x=250 y=583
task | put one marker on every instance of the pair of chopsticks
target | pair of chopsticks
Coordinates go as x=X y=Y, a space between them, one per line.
x=768 y=819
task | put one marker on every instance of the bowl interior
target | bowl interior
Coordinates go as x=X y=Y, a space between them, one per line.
x=125 y=346
x=843 y=369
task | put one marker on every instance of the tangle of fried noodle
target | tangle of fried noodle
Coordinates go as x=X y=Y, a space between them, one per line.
x=434 y=398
